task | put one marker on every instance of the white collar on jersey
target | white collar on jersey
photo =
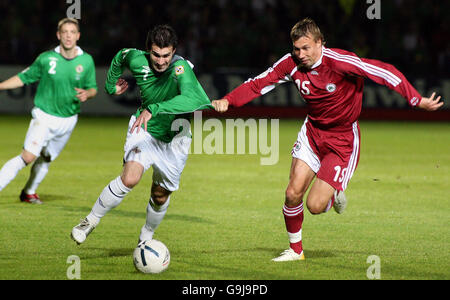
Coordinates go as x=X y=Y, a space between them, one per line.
x=319 y=62
x=79 y=50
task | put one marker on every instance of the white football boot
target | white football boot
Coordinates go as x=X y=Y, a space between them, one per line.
x=340 y=201
x=82 y=230
x=289 y=255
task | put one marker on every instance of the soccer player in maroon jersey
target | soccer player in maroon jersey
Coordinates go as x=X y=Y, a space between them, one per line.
x=328 y=144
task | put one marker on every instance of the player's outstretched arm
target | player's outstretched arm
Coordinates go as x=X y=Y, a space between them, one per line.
x=11 y=83
x=430 y=104
x=220 y=105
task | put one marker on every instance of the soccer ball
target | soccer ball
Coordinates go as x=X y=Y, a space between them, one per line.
x=151 y=257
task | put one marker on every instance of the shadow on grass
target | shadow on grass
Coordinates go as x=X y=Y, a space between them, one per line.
x=105 y=252
x=45 y=198
x=133 y=214
x=9 y=199
x=310 y=254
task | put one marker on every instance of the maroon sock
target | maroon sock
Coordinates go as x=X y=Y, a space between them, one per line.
x=293 y=218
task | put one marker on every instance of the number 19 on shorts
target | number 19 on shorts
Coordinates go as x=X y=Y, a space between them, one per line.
x=340 y=174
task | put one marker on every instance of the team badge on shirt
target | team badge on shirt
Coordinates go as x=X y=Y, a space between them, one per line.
x=331 y=87
x=179 y=70
x=79 y=69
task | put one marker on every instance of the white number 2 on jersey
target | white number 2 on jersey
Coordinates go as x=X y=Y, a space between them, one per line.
x=52 y=67
x=302 y=86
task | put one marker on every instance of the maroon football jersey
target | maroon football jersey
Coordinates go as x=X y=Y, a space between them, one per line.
x=332 y=87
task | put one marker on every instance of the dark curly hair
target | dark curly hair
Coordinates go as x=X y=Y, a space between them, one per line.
x=162 y=36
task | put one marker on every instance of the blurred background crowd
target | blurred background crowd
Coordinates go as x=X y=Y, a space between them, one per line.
x=225 y=34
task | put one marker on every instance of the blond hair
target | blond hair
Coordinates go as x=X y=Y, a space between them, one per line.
x=305 y=27
x=68 y=20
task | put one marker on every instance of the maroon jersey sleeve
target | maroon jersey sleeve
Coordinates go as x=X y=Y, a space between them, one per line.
x=277 y=74
x=382 y=73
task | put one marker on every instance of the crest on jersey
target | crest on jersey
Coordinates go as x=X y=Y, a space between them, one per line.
x=331 y=87
x=79 y=69
x=179 y=70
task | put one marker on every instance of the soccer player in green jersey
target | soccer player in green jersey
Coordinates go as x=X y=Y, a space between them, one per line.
x=157 y=136
x=66 y=78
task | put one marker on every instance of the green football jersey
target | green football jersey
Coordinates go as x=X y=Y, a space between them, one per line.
x=58 y=77
x=167 y=95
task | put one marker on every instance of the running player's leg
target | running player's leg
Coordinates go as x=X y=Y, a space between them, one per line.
x=34 y=141
x=111 y=196
x=337 y=168
x=12 y=167
x=319 y=196
x=166 y=179
x=58 y=134
x=137 y=159
x=305 y=164
x=300 y=178
x=38 y=172
x=41 y=165
x=156 y=210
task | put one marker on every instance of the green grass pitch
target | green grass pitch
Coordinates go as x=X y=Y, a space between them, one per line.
x=225 y=221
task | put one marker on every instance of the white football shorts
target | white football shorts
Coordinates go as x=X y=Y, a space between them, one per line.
x=303 y=151
x=48 y=134
x=168 y=159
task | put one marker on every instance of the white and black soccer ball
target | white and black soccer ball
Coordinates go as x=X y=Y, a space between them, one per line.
x=151 y=257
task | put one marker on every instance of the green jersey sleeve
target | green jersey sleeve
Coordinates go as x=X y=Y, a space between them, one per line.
x=33 y=73
x=118 y=65
x=192 y=97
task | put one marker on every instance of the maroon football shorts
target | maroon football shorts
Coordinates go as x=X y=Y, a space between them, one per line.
x=332 y=154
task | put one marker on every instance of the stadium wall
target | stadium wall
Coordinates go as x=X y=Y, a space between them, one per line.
x=379 y=103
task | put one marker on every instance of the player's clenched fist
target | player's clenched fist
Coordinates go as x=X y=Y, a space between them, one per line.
x=121 y=86
x=220 y=105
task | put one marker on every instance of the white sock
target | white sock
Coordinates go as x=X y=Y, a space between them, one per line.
x=37 y=174
x=111 y=196
x=10 y=169
x=155 y=215
x=330 y=203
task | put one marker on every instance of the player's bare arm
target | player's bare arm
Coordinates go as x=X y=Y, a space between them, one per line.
x=143 y=119
x=84 y=95
x=121 y=86
x=220 y=105
x=11 y=83
x=430 y=104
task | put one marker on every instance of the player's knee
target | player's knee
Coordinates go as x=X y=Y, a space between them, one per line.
x=159 y=200
x=314 y=206
x=159 y=195
x=314 y=209
x=28 y=157
x=293 y=197
x=132 y=174
x=130 y=181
